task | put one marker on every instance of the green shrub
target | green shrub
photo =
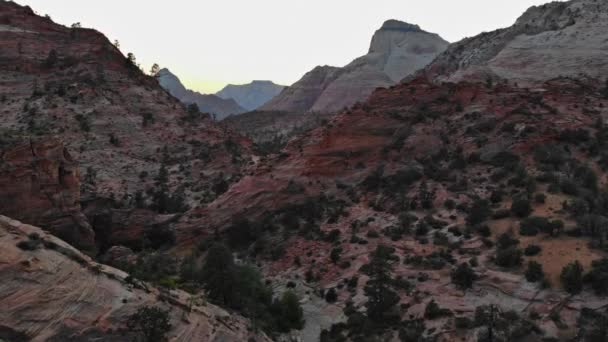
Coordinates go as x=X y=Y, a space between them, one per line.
x=505 y=240
x=288 y=312
x=433 y=311
x=449 y=204
x=84 y=122
x=508 y=257
x=479 y=212
x=497 y=196
x=463 y=276
x=521 y=207
x=540 y=198
x=532 y=250
x=534 y=272
x=331 y=296
x=572 y=277
x=150 y=323
x=569 y=187
x=335 y=254
x=531 y=226
x=598 y=276
x=505 y=159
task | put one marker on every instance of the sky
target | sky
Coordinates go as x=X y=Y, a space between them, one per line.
x=209 y=44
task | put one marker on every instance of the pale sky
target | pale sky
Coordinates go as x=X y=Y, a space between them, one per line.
x=209 y=44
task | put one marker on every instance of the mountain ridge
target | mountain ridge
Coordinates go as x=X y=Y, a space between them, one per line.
x=396 y=50
x=251 y=95
x=207 y=103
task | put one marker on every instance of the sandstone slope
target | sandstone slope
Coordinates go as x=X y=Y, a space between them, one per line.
x=40 y=184
x=52 y=292
x=382 y=174
x=119 y=124
x=555 y=39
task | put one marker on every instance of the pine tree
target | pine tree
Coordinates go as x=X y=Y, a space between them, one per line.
x=292 y=314
x=218 y=274
x=381 y=298
x=534 y=272
x=572 y=277
x=151 y=323
x=463 y=276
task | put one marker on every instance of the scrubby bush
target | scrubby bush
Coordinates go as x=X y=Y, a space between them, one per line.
x=534 y=272
x=381 y=299
x=598 y=276
x=288 y=312
x=497 y=196
x=479 y=212
x=572 y=277
x=532 y=250
x=505 y=240
x=449 y=204
x=505 y=159
x=463 y=276
x=540 y=198
x=433 y=311
x=521 y=207
x=508 y=257
x=151 y=324
x=240 y=287
x=331 y=296
x=335 y=254
x=531 y=226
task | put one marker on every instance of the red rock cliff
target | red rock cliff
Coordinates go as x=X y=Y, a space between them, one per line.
x=40 y=185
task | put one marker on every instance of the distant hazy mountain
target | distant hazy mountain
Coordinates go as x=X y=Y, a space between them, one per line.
x=206 y=103
x=253 y=95
x=397 y=50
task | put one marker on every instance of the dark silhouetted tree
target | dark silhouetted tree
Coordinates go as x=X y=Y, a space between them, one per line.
x=572 y=277
x=534 y=272
x=150 y=323
x=218 y=274
x=463 y=276
x=381 y=298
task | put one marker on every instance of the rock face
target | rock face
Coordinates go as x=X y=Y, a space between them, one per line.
x=119 y=124
x=555 y=39
x=251 y=96
x=302 y=95
x=357 y=142
x=87 y=301
x=359 y=175
x=40 y=185
x=270 y=131
x=397 y=50
x=217 y=105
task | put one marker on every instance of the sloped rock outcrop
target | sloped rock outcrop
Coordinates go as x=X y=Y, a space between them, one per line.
x=555 y=39
x=40 y=185
x=120 y=125
x=397 y=50
x=52 y=292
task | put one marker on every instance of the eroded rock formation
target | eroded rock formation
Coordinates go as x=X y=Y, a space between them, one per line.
x=41 y=186
x=51 y=292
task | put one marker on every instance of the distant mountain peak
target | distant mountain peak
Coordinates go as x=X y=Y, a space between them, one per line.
x=252 y=95
x=397 y=49
x=206 y=103
x=397 y=25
